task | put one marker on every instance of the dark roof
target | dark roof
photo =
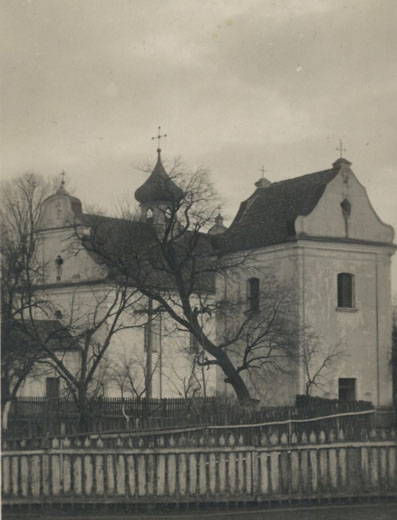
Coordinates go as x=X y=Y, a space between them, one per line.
x=49 y=332
x=131 y=249
x=267 y=217
x=158 y=187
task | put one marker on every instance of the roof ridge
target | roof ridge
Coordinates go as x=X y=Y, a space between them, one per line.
x=328 y=170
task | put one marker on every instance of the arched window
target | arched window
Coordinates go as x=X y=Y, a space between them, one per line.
x=345 y=290
x=253 y=294
x=149 y=215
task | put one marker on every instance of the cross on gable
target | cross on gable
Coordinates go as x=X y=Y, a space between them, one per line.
x=340 y=148
x=262 y=170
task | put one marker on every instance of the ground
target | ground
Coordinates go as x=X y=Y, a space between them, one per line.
x=381 y=511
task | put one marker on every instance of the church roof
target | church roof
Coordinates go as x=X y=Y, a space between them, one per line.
x=159 y=186
x=49 y=332
x=267 y=217
x=131 y=249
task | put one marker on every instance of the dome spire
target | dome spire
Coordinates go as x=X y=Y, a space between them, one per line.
x=159 y=187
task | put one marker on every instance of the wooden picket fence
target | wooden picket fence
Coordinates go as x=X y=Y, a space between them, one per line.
x=81 y=471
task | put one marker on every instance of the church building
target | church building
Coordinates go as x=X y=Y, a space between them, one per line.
x=317 y=235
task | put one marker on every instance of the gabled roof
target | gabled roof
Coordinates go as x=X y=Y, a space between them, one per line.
x=267 y=217
x=132 y=250
x=48 y=332
x=158 y=187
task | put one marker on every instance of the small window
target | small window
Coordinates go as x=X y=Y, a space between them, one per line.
x=52 y=387
x=149 y=216
x=347 y=389
x=345 y=290
x=253 y=294
x=58 y=314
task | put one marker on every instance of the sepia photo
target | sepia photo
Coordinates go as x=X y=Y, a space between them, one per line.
x=198 y=259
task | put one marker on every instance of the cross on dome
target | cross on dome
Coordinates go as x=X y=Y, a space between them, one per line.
x=159 y=137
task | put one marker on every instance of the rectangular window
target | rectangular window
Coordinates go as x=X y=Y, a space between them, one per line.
x=253 y=295
x=345 y=290
x=52 y=387
x=347 y=389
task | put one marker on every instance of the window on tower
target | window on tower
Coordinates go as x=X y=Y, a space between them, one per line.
x=149 y=216
x=345 y=290
x=253 y=296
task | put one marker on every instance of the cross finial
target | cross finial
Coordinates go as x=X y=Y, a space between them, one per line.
x=61 y=188
x=340 y=148
x=262 y=170
x=159 y=137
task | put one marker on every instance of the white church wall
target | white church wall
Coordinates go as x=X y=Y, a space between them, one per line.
x=174 y=372
x=327 y=218
x=77 y=265
x=276 y=265
x=363 y=332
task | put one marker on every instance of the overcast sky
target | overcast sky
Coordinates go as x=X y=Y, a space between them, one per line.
x=235 y=85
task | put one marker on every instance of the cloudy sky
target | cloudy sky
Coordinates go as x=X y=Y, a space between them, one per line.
x=235 y=85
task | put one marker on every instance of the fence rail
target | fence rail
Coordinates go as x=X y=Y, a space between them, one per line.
x=35 y=417
x=92 y=472
x=330 y=428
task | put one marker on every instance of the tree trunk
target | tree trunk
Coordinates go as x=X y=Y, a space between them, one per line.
x=149 y=351
x=234 y=379
x=82 y=409
x=4 y=415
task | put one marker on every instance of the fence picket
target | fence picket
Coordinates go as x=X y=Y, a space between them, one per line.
x=131 y=474
x=182 y=474
x=314 y=469
x=77 y=482
x=174 y=474
x=141 y=475
x=274 y=471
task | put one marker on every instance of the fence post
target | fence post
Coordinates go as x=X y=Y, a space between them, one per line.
x=289 y=426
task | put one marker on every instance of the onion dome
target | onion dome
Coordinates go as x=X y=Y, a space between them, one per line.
x=159 y=186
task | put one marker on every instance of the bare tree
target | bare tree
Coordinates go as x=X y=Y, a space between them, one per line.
x=129 y=376
x=318 y=361
x=84 y=336
x=174 y=262
x=20 y=206
x=35 y=334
